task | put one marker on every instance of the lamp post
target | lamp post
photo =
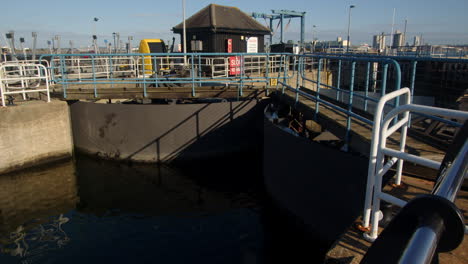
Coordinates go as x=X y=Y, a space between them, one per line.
x=349 y=24
x=113 y=34
x=95 y=45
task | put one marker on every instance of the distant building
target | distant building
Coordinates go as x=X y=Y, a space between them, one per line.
x=417 y=41
x=378 y=42
x=398 y=40
x=217 y=28
x=338 y=43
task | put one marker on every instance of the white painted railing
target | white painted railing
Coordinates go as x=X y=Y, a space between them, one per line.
x=23 y=78
x=79 y=68
x=382 y=130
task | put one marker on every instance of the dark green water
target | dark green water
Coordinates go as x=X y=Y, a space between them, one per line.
x=90 y=211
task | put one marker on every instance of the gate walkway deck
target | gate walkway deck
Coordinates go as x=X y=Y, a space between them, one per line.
x=361 y=133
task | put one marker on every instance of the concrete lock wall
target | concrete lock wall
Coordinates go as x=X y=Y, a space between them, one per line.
x=150 y=133
x=33 y=134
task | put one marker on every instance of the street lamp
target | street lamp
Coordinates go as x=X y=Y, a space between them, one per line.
x=349 y=24
x=95 y=45
x=115 y=46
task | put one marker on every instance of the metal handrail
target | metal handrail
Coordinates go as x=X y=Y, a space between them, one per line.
x=377 y=168
x=26 y=77
x=311 y=60
x=423 y=244
x=146 y=68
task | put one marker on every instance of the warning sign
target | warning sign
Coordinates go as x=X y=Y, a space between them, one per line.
x=252 y=45
x=235 y=65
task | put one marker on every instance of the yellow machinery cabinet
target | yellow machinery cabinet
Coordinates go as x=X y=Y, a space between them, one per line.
x=152 y=46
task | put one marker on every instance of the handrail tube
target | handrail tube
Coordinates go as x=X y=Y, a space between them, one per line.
x=410 y=58
x=28 y=72
x=455 y=175
x=192 y=79
x=450 y=113
x=412 y=158
x=446 y=121
x=377 y=186
x=385 y=61
x=423 y=244
x=392 y=199
x=397 y=126
x=312 y=97
x=387 y=166
x=406 y=109
x=373 y=151
x=342 y=90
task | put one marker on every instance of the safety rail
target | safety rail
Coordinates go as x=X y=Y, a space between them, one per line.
x=39 y=61
x=425 y=240
x=81 y=68
x=23 y=78
x=374 y=84
x=410 y=79
x=428 y=224
x=379 y=152
x=154 y=69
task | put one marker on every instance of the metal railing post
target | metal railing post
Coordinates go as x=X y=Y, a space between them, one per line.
x=317 y=103
x=383 y=88
x=242 y=68
x=192 y=73
x=350 y=105
x=366 y=93
x=267 y=70
x=296 y=59
x=338 y=81
x=156 y=73
x=62 y=72
x=144 y=74
x=199 y=70
x=94 y=76
x=412 y=83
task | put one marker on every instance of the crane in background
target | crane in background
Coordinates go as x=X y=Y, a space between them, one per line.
x=281 y=15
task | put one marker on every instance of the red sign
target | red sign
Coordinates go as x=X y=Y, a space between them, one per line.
x=229 y=46
x=235 y=63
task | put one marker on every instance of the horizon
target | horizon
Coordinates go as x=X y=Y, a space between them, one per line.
x=147 y=20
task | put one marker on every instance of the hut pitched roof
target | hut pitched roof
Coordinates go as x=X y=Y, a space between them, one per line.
x=219 y=18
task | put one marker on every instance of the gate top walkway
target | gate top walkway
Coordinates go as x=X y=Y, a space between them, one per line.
x=361 y=132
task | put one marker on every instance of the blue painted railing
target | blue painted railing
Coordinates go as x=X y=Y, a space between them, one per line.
x=147 y=69
x=362 y=77
x=316 y=62
x=379 y=75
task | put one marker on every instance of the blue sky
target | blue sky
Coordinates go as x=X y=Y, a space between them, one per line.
x=440 y=22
